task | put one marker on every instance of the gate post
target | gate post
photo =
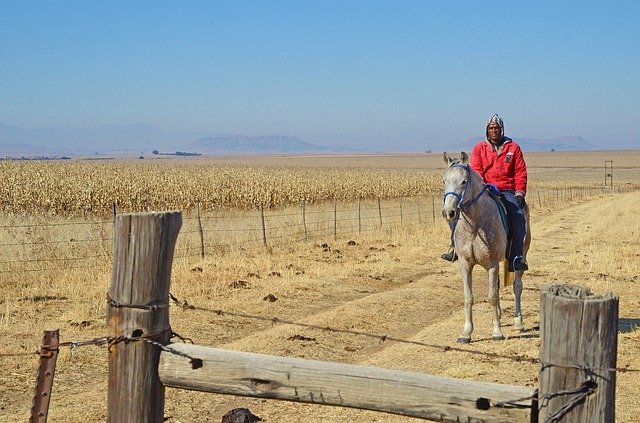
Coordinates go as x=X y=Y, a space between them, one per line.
x=138 y=306
x=579 y=342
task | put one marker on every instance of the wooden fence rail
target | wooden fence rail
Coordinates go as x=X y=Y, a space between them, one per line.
x=578 y=350
x=348 y=385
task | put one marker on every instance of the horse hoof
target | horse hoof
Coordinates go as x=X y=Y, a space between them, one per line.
x=464 y=339
x=498 y=337
x=518 y=325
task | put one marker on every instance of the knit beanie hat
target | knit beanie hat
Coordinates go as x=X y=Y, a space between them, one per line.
x=495 y=119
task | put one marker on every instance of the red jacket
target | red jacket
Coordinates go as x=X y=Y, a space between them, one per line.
x=506 y=169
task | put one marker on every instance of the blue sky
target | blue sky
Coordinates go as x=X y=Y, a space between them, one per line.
x=330 y=72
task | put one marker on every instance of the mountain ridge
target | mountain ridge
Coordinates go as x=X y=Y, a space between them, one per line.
x=140 y=139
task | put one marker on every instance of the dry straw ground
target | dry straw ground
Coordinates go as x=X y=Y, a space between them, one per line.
x=390 y=282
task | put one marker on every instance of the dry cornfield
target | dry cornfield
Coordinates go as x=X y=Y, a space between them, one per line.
x=55 y=270
x=95 y=187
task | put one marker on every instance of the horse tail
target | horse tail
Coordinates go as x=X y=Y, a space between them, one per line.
x=507 y=277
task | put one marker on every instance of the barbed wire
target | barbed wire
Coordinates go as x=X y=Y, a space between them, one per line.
x=184 y=305
x=580 y=394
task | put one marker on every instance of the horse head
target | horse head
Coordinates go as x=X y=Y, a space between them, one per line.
x=456 y=178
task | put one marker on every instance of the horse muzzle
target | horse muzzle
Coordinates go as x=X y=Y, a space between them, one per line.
x=450 y=214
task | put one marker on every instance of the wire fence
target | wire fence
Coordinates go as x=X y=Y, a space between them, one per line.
x=66 y=245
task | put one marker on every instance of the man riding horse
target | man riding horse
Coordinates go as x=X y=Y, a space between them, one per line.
x=499 y=161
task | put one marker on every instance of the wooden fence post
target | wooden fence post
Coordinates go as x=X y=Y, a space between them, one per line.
x=359 y=215
x=380 y=212
x=200 y=228
x=264 y=226
x=335 y=219
x=579 y=339
x=433 y=208
x=304 y=219
x=138 y=305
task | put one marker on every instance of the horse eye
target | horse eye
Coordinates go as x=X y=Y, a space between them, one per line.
x=464 y=182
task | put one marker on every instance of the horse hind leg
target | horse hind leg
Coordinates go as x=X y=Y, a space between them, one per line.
x=518 y=324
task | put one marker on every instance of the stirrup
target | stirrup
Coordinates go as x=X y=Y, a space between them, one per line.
x=517 y=264
x=450 y=255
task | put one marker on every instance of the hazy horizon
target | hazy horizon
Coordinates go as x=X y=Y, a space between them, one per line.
x=350 y=74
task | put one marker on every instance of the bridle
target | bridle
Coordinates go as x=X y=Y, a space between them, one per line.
x=461 y=205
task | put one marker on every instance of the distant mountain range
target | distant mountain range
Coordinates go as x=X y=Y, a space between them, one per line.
x=141 y=139
x=238 y=144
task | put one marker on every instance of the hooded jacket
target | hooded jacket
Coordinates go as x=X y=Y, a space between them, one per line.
x=504 y=168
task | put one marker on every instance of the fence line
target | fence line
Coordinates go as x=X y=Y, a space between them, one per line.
x=350 y=219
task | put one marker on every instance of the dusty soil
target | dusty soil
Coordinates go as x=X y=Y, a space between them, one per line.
x=389 y=284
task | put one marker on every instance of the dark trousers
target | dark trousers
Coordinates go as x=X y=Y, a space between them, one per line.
x=516 y=222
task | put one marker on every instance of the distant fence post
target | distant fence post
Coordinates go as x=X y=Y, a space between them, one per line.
x=138 y=306
x=433 y=208
x=304 y=219
x=380 y=212
x=335 y=219
x=359 y=215
x=579 y=338
x=264 y=226
x=200 y=228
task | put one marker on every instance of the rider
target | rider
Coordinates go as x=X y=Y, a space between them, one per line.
x=499 y=161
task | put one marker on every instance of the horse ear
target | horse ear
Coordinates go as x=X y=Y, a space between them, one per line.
x=464 y=158
x=447 y=159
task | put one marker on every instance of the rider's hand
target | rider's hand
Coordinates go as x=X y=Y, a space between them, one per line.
x=520 y=200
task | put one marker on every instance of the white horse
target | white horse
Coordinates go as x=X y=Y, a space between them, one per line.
x=480 y=238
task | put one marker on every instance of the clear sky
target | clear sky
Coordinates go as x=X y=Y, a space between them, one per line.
x=330 y=72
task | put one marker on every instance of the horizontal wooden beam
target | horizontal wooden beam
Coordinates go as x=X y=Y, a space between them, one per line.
x=320 y=382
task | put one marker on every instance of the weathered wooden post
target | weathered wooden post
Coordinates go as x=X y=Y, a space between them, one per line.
x=138 y=306
x=264 y=226
x=200 y=230
x=579 y=339
x=304 y=219
x=359 y=215
x=433 y=208
x=335 y=218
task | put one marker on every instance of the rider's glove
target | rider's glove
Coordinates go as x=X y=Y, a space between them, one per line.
x=520 y=200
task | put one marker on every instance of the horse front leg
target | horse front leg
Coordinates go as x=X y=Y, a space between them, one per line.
x=494 y=300
x=518 y=324
x=465 y=272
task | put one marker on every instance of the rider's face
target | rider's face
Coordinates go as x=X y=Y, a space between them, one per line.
x=494 y=133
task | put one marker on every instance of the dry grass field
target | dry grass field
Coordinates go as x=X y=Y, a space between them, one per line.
x=55 y=270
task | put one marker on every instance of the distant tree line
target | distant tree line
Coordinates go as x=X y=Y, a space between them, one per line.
x=177 y=153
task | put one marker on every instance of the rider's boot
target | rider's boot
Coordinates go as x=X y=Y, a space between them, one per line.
x=450 y=255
